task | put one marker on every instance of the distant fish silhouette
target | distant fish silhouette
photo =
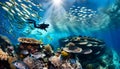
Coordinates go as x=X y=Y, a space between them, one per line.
x=42 y=26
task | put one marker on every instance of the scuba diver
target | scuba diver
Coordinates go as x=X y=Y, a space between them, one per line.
x=42 y=26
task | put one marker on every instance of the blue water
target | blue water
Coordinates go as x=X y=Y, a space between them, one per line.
x=57 y=29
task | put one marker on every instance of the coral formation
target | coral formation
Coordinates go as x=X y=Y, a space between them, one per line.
x=28 y=40
x=3 y=55
x=48 y=48
x=76 y=52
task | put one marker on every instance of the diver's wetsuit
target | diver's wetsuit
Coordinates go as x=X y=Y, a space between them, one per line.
x=41 y=26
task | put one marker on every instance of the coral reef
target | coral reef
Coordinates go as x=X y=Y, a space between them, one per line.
x=28 y=40
x=88 y=45
x=91 y=48
x=3 y=55
x=27 y=46
x=76 y=52
x=5 y=58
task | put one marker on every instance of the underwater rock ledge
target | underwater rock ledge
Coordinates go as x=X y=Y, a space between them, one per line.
x=76 y=52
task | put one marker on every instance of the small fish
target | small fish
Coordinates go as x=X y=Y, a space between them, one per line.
x=73 y=6
x=9 y=4
x=10 y=47
x=78 y=7
x=12 y=11
x=25 y=10
x=19 y=0
x=49 y=37
x=17 y=9
x=20 y=65
x=14 y=3
x=29 y=6
x=90 y=15
x=89 y=10
x=23 y=5
x=22 y=19
x=38 y=55
x=33 y=4
x=25 y=52
x=5 y=8
x=27 y=16
x=34 y=15
x=84 y=12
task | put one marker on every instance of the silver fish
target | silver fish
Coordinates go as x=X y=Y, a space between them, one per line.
x=38 y=55
x=20 y=64
x=25 y=52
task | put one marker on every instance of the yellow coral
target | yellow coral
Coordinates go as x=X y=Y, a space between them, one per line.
x=64 y=53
